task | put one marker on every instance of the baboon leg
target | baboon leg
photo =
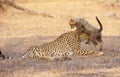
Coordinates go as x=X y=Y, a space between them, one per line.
x=100 y=45
x=93 y=40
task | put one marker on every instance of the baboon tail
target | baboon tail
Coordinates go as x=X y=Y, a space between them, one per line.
x=101 y=28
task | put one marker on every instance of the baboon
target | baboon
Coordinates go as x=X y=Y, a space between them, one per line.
x=93 y=33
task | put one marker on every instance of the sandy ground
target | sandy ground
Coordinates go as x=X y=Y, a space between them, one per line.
x=19 y=31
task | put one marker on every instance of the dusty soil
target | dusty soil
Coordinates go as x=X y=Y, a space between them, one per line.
x=19 y=31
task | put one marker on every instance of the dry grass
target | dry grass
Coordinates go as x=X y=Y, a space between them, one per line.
x=19 y=31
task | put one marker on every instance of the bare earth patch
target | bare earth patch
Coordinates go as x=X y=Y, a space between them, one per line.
x=19 y=31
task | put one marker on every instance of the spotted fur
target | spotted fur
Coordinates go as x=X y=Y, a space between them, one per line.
x=61 y=48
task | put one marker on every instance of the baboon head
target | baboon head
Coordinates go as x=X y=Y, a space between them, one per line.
x=73 y=22
x=76 y=22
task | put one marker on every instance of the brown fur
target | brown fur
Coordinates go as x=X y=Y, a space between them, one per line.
x=94 y=34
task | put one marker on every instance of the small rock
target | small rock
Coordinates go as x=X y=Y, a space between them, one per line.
x=111 y=14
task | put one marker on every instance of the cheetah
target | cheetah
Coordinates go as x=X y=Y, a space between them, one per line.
x=62 y=48
x=92 y=33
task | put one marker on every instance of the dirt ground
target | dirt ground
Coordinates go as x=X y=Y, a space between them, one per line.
x=19 y=31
